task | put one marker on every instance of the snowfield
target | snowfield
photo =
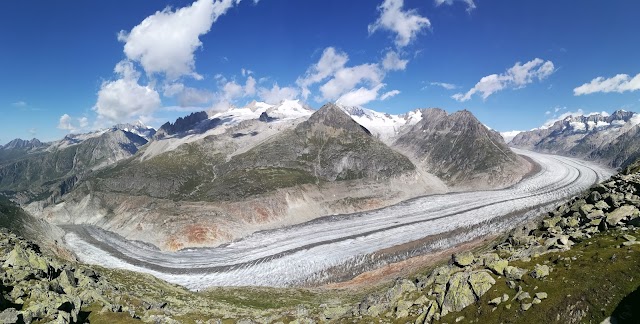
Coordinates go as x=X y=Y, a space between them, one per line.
x=345 y=245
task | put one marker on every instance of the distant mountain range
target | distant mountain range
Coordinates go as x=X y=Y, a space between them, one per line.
x=209 y=178
x=610 y=139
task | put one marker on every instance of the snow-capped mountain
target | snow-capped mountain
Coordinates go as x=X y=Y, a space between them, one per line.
x=384 y=126
x=138 y=128
x=611 y=139
x=285 y=110
x=510 y=135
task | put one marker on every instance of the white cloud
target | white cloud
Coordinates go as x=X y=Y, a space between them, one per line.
x=246 y=72
x=165 y=42
x=448 y=86
x=406 y=24
x=393 y=62
x=19 y=104
x=360 y=96
x=346 y=79
x=250 y=86
x=389 y=94
x=187 y=96
x=516 y=77
x=124 y=99
x=619 y=83
x=330 y=62
x=470 y=4
x=72 y=125
x=276 y=94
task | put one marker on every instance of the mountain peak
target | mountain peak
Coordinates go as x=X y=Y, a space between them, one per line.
x=332 y=115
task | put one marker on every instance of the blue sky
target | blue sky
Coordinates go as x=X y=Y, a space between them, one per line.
x=73 y=66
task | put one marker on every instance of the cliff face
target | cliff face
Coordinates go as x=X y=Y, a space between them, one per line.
x=459 y=149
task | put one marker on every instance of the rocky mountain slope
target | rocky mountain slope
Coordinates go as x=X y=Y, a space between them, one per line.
x=48 y=172
x=460 y=150
x=610 y=139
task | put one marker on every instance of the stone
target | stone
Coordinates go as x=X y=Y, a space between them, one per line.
x=541 y=295
x=508 y=306
x=505 y=297
x=536 y=301
x=586 y=209
x=422 y=300
x=496 y=301
x=514 y=273
x=511 y=284
x=401 y=287
x=525 y=307
x=459 y=293
x=481 y=282
x=629 y=238
x=540 y=271
x=487 y=258
x=522 y=296
x=596 y=214
x=498 y=266
x=594 y=197
x=621 y=213
x=550 y=222
x=441 y=275
x=460 y=318
x=602 y=205
x=9 y=316
x=463 y=259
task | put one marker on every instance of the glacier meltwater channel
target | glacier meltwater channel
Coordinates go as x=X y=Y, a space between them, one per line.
x=312 y=252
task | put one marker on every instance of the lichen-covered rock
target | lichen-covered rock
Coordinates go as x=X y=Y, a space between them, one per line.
x=614 y=217
x=463 y=259
x=481 y=282
x=9 y=316
x=498 y=266
x=514 y=273
x=459 y=293
x=525 y=307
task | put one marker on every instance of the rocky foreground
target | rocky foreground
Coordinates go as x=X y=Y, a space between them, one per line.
x=577 y=264
x=510 y=277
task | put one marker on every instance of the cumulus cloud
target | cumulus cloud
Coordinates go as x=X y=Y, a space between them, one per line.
x=448 y=86
x=470 y=4
x=516 y=77
x=360 y=96
x=330 y=62
x=619 y=83
x=165 y=42
x=276 y=94
x=393 y=62
x=72 y=125
x=124 y=99
x=389 y=94
x=346 y=79
x=406 y=24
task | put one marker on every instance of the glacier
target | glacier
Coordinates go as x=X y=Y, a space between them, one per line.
x=312 y=252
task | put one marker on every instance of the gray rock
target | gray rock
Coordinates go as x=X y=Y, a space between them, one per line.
x=514 y=273
x=541 y=295
x=614 y=217
x=481 y=282
x=463 y=259
x=525 y=307
x=9 y=316
x=459 y=293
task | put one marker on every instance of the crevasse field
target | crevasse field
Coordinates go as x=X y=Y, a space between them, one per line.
x=316 y=251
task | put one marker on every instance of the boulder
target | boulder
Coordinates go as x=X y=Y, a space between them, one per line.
x=9 y=316
x=498 y=266
x=621 y=213
x=481 y=282
x=514 y=273
x=602 y=205
x=463 y=259
x=459 y=293
x=596 y=214
x=541 y=295
x=594 y=197
x=525 y=307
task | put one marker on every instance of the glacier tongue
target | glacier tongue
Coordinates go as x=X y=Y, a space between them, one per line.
x=311 y=252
